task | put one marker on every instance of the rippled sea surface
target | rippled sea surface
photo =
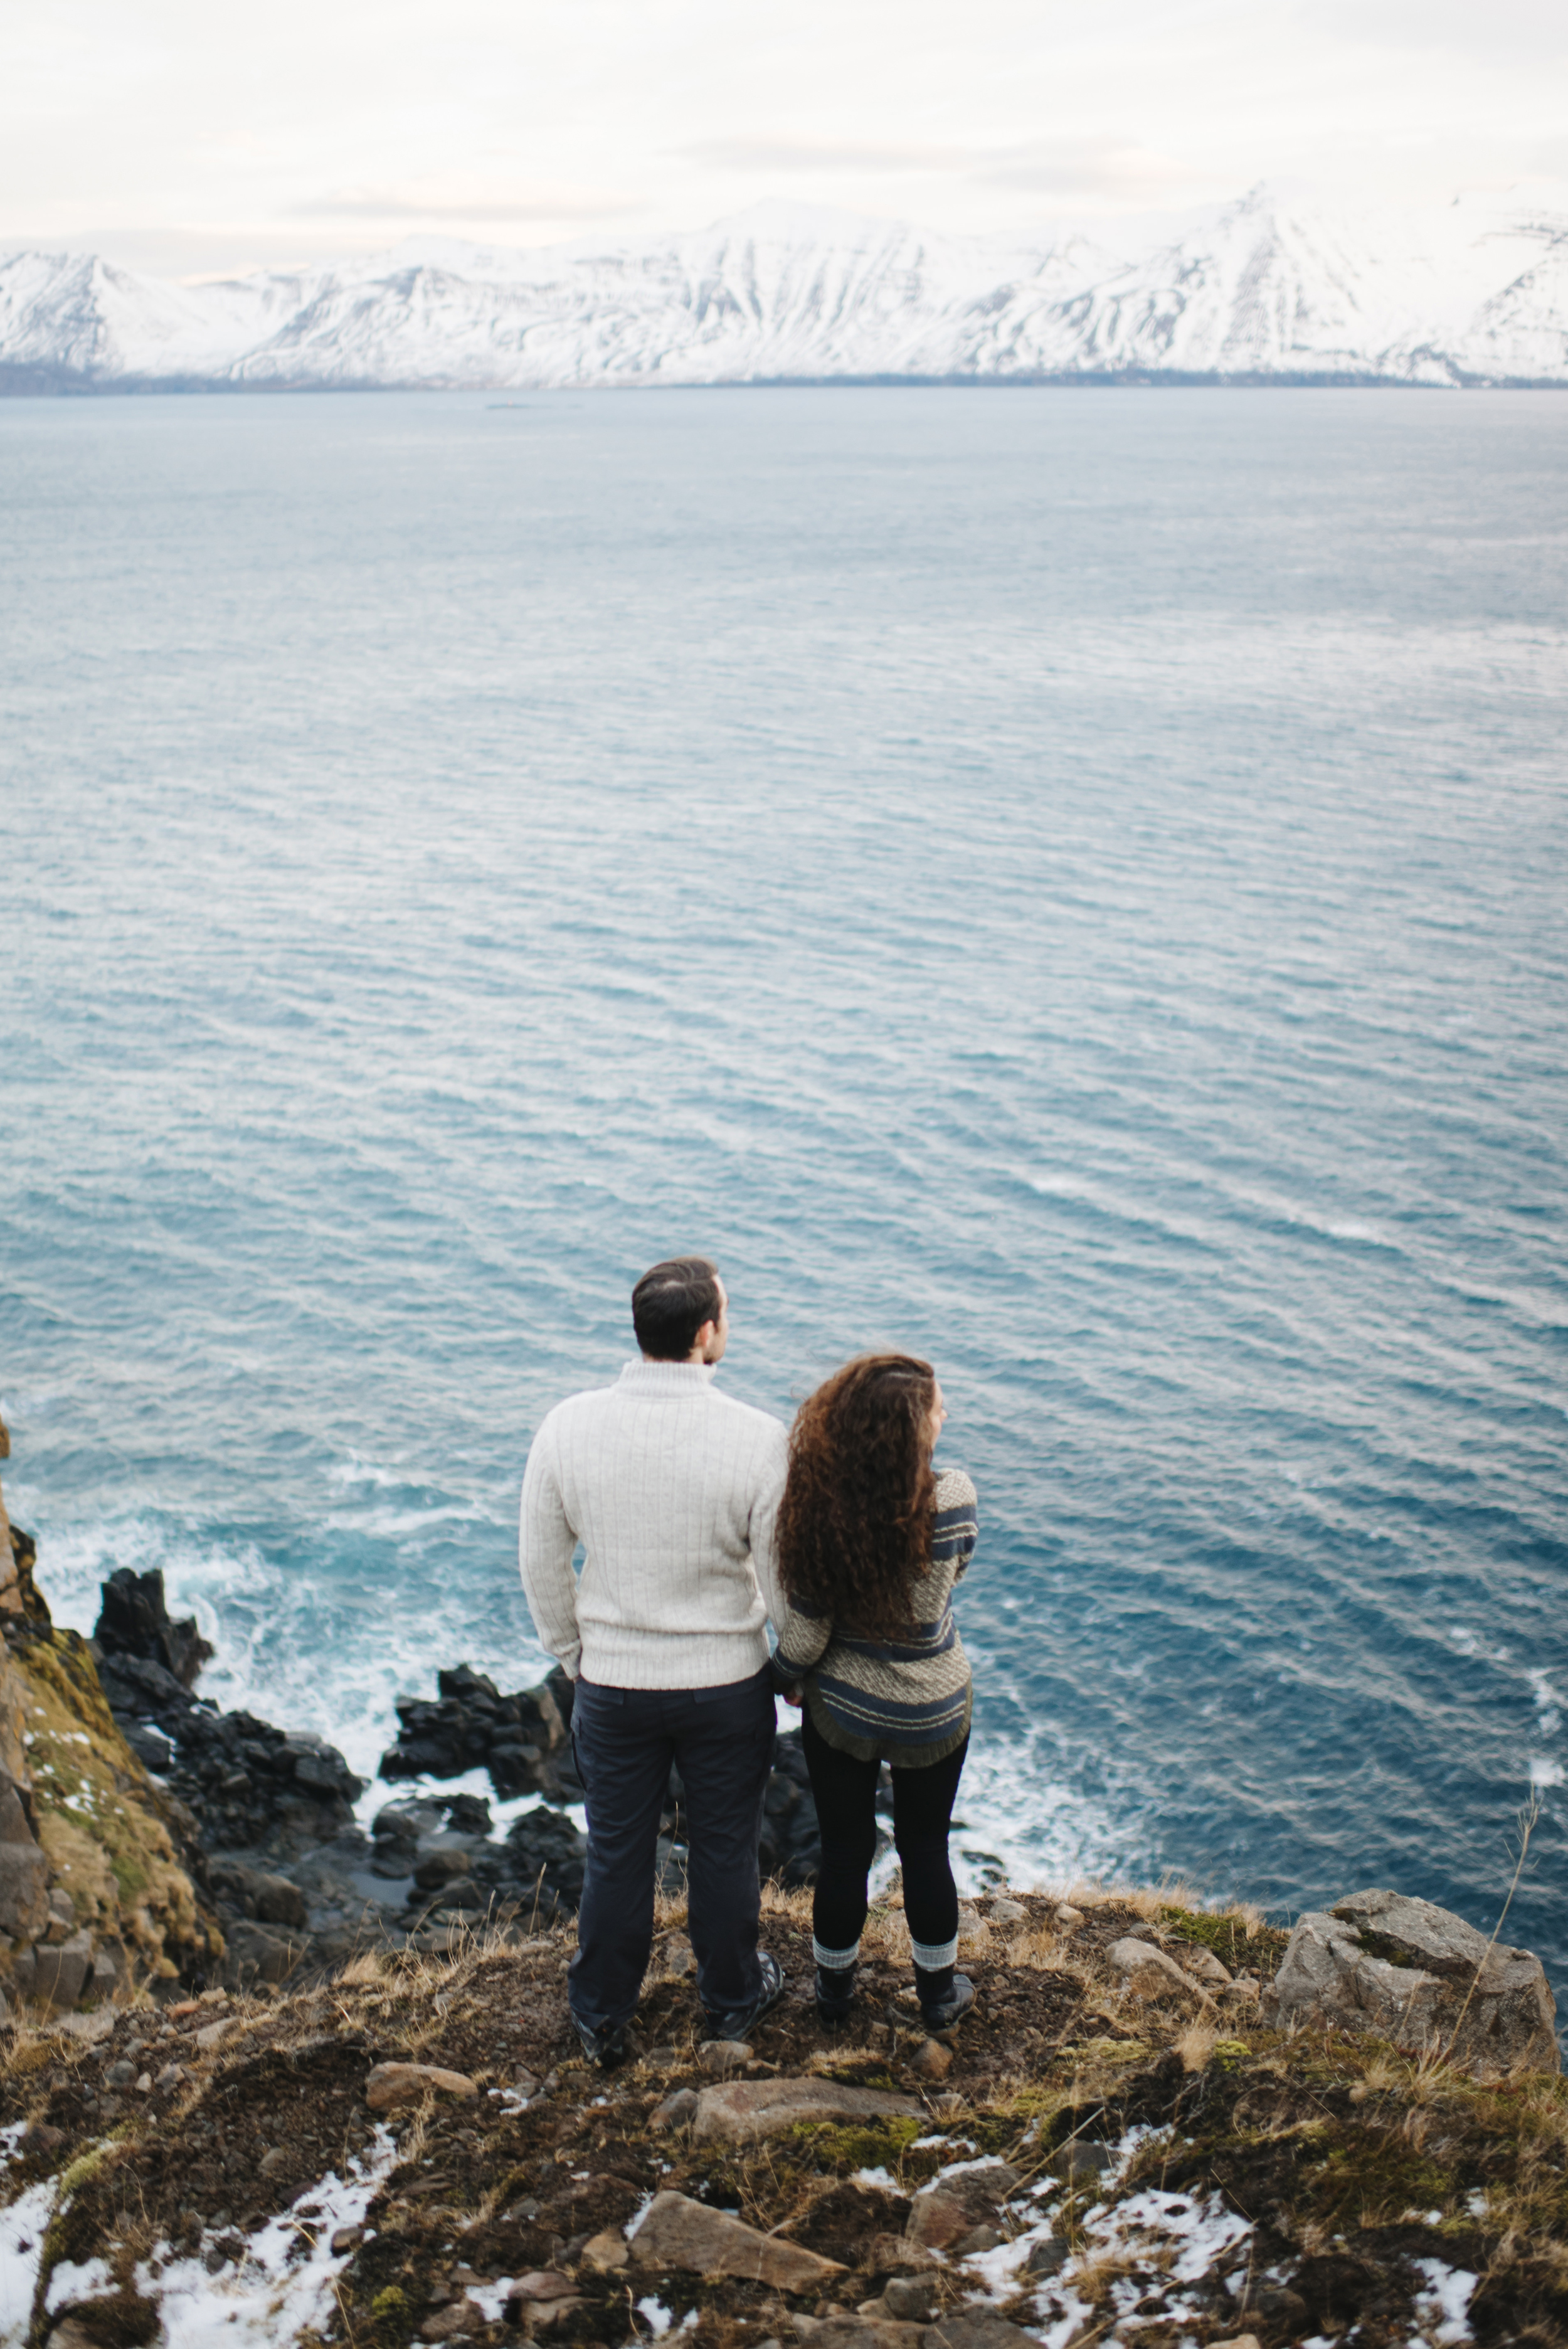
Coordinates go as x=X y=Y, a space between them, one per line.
x=1070 y=882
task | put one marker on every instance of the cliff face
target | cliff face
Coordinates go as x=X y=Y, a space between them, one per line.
x=95 y=1894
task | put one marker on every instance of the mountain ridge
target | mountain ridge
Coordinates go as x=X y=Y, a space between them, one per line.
x=1263 y=289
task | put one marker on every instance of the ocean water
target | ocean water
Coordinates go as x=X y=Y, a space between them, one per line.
x=1068 y=881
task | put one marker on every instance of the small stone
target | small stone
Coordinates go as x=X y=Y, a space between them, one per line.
x=1238 y=2340
x=722 y=2056
x=1079 y=2164
x=121 y=2074
x=272 y=2162
x=678 y=2108
x=680 y=2233
x=952 y=2207
x=1149 y=1972
x=929 y=2061
x=216 y=2257
x=524 y=2082
x=388 y=2084
x=975 y=2329
x=911 y=2299
x=346 y=2240
x=171 y=2075
x=70 y=2333
x=1066 y=1917
x=606 y=2252
x=144 y=2085
x=543 y=2285
x=1008 y=1913
x=183 y=2007
x=896 y=2255
x=448 y=2324
x=212 y=2034
x=679 y=1956
x=979 y=2238
x=1047 y=2257
x=743 y=2112
x=1206 y=1967
x=842 y=2331
x=663 y=2058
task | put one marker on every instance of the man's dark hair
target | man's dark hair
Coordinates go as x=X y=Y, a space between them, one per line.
x=670 y=1304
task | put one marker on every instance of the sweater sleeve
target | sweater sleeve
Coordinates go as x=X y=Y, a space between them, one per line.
x=803 y=1639
x=546 y=1541
x=763 y=1526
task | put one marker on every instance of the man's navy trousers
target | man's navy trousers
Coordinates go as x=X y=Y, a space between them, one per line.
x=624 y=1740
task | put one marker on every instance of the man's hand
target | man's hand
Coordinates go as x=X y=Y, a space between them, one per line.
x=792 y=1696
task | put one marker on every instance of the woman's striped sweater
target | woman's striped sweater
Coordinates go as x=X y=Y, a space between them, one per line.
x=904 y=1700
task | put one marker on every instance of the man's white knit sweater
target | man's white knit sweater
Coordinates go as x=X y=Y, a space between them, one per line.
x=672 y=1489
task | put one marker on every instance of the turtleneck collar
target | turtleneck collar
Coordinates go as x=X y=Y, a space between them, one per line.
x=666 y=1377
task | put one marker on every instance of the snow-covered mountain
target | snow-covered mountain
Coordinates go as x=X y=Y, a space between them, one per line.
x=1475 y=293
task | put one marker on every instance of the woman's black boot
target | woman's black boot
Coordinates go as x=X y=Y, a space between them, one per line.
x=835 y=1992
x=943 y=1997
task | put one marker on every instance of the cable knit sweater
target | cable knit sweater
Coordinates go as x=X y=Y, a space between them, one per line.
x=672 y=1489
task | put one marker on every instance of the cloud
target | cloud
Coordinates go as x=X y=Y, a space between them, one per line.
x=464 y=196
x=825 y=155
x=1089 y=167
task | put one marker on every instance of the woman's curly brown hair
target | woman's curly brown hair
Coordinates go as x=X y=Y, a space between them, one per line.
x=854 y=1526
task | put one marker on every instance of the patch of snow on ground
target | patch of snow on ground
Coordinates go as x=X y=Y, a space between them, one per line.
x=68 y=2282
x=1444 y=2306
x=654 y=2315
x=491 y=2298
x=878 y=2177
x=1169 y=2240
x=283 y=2280
x=21 y=2251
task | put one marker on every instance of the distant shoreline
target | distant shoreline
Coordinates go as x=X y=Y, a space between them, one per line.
x=38 y=383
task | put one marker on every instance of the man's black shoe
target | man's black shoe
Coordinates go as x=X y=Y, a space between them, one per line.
x=607 y=2048
x=736 y=2025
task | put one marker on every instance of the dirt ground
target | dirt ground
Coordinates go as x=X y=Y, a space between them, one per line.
x=1350 y=2164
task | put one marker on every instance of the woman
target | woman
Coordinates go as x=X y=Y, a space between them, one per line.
x=870 y=1543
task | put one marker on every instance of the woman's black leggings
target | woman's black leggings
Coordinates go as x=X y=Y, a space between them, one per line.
x=845 y=1790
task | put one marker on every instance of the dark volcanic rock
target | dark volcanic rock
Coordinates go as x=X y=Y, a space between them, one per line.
x=521 y=1739
x=134 y=1620
x=250 y=1786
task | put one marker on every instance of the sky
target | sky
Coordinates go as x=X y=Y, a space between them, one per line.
x=190 y=139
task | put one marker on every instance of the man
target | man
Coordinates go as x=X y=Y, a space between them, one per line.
x=673 y=1490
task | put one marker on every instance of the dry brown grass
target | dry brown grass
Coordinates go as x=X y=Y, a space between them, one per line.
x=1195 y=2045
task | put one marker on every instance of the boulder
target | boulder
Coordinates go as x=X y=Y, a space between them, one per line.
x=743 y=2112
x=1405 y=1971
x=950 y=2209
x=23 y=1890
x=134 y=1620
x=62 y=1972
x=680 y=2233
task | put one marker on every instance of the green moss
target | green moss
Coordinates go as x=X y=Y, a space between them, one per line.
x=1227 y=1936
x=879 y=2144
x=1378 y=1945
x=392 y=2317
x=1107 y=2051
